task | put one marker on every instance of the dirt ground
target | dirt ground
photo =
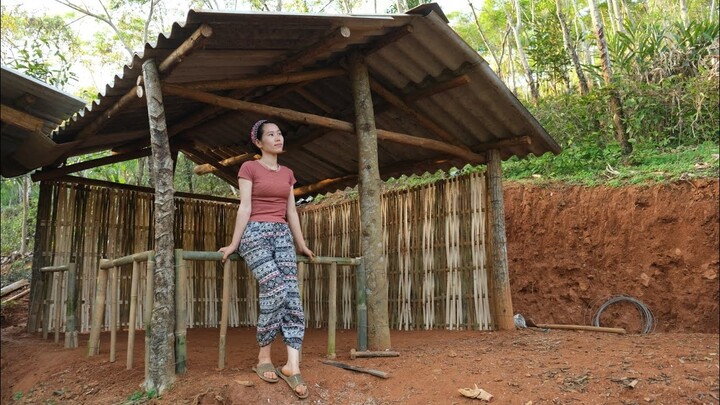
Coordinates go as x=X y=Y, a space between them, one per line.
x=569 y=249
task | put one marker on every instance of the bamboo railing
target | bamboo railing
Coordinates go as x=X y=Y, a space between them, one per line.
x=111 y=268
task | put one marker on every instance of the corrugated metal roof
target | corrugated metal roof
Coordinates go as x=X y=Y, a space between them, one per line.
x=449 y=92
x=23 y=148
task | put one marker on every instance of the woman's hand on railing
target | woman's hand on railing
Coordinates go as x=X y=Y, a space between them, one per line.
x=226 y=251
x=304 y=250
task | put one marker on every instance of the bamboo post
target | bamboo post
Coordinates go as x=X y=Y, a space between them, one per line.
x=133 y=310
x=224 y=313
x=180 y=313
x=98 y=309
x=149 y=289
x=71 y=333
x=58 y=305
x=502 y=298
x=361 y=307
x=113 y=313
x=46 y=304
x=332 y=310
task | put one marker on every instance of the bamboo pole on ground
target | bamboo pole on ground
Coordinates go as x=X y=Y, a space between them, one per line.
x=133 y=310
x=113 y=311
x=180 y=313
x=332 y=310
x=98 y=309
x=71 y=333
x=147 y=317
x=224 y=313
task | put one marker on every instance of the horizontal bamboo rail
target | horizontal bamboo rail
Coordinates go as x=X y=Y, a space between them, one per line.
x=111 y=267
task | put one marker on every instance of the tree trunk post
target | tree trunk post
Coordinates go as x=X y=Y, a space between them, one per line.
x=370 y=213
x=161 y=372
x=501 y=296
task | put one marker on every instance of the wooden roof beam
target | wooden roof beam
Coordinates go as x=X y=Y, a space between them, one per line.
x=265 y=80
x=426 y=122
x=297 y=61
x=386 y=40
x=221 y=171
x=312 y=119
x=195 y=40
x=23 y=120
x=505 y=143
x=436 y=88
x=89 y=164
x=209 y=168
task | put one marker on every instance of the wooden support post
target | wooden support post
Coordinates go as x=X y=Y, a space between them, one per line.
x=114 y=272
x=98 y=310
x=501 y=296
x=71 y=304
x=332 y=309
x=161 y=373
x=133 y=311
x=370 y=215
x=224 y=313
x=58 y=304
x=181 y=313
x=147 y=313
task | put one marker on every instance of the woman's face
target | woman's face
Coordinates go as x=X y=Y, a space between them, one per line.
x=270 y=139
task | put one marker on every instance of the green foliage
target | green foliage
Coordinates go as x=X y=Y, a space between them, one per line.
x=141 y=397
x=17 y=396
x=43 y=47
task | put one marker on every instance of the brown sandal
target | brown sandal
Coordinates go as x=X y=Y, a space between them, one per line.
x=293 y=381
x=261 y=369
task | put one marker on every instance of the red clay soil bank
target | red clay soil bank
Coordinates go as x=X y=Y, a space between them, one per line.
x=570 y=248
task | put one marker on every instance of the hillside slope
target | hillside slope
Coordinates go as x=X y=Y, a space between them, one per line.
x=570 y=248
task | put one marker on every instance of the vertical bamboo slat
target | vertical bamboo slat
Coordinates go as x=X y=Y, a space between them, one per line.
x=71 y=335
x=113 y=310
x=224 y=316
x=98 y=311
x=133 y=312
x=332 y=310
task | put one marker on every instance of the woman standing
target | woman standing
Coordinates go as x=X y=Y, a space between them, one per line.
x=266 y=224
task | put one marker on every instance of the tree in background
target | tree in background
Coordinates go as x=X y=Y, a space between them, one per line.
x=43 y=47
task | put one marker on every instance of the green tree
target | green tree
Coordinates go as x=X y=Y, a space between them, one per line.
x=43 y=47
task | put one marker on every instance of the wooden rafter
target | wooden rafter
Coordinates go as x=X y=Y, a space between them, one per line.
x=221 y=171
x=391 y=38
x=265 y=80
x=20 y=119
x=208 y=168
x=88 y=164
x=338 y=36
x=193 y=42
x=436 y=88
x=312 y=119
x=428 y=123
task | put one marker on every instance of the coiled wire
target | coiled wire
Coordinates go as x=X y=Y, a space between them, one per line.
x=647 y=315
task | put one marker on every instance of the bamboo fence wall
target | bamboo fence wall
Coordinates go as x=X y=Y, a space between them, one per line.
x=434 y=246
x=434 y=239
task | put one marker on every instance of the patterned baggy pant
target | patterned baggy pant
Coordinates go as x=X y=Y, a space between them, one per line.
x=269 y=252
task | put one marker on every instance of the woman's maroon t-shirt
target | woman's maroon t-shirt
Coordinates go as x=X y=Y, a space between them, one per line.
x=270 y=191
